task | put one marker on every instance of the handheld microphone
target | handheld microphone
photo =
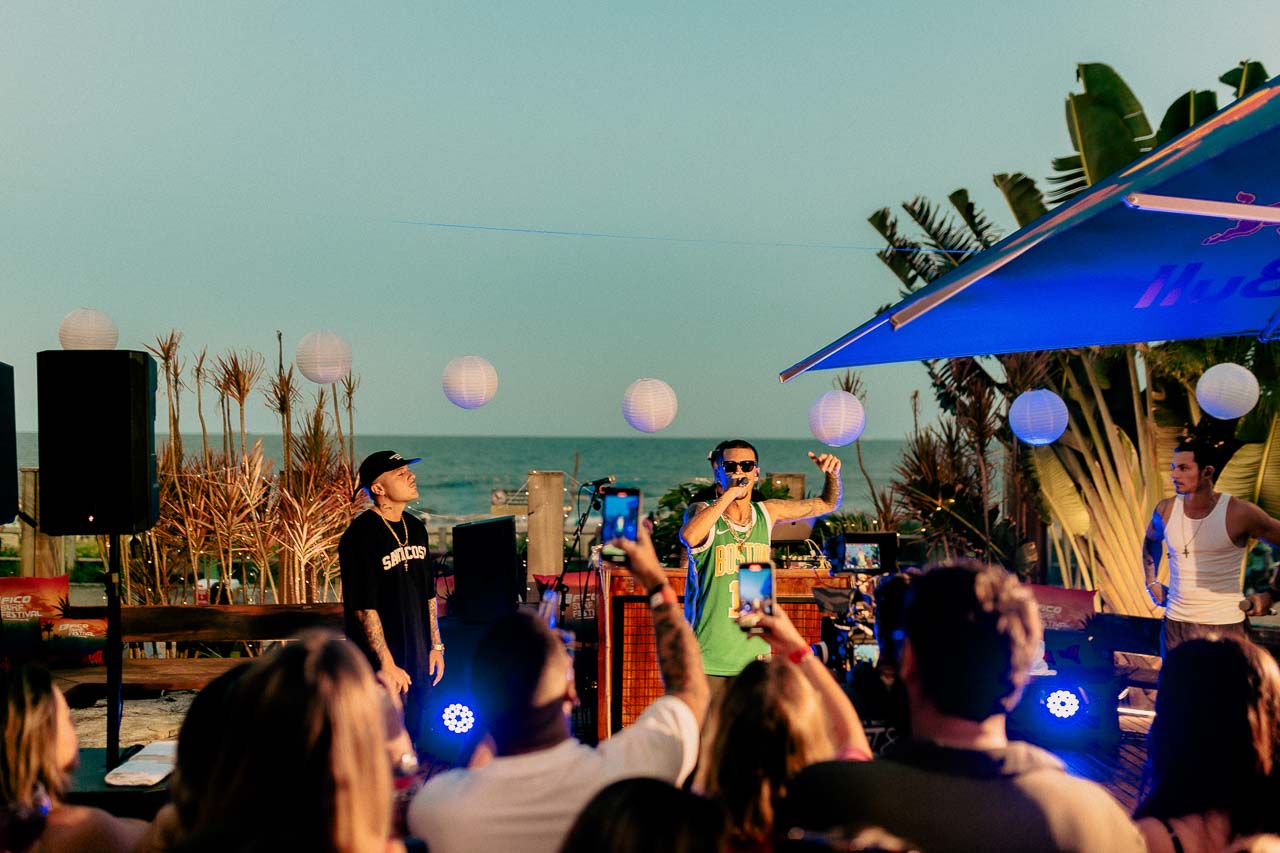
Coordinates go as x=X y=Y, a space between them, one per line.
x=741 y=481
x=603 y=481
x=1246 y=605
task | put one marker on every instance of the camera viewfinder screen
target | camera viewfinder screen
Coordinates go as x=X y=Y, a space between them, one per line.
x=861 y=556
x=621 y=513
x=754 y=586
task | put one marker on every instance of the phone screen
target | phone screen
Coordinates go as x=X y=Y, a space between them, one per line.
x=755 y=588
x=621 y=518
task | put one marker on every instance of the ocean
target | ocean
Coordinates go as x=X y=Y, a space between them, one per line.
x=458 y=474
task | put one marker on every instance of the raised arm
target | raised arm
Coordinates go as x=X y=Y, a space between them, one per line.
x=847 y=734
x=791 y=509
x=1152 y=548
x=679 y=658
x=700 y=518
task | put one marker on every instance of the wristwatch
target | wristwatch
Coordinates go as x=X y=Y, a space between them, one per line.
x=437 y=647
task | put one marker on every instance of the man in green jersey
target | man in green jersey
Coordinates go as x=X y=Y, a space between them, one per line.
x=722 y=534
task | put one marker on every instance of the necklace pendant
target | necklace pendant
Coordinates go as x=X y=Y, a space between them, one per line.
x=1185 y=552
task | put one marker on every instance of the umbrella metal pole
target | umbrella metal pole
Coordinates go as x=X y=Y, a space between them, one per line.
x=115 y=653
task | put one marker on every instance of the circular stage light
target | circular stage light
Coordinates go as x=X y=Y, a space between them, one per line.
x=458 y=718
x=1063 y=704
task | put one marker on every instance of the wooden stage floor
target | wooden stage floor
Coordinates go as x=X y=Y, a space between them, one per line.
x=1118 y=770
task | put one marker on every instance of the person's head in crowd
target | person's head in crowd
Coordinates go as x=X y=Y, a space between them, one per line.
x=1213 y=744
x=640 y=815
x=522 y=677
x=763 y=729
x=890 y=597
x=305 y=765
x=201 y=741
x=38 y=751
x=971 y=635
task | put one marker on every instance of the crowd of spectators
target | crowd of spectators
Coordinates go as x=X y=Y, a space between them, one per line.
x=299 y=749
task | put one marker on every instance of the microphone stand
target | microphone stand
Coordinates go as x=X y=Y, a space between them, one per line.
x=592 y=505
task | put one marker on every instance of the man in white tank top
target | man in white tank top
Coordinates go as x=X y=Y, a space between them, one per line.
x=1204 y=533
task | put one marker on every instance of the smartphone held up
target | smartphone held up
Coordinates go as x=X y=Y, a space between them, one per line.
x=620 y=509
x=755 y=594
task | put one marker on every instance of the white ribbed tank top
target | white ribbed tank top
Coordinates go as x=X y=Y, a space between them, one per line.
x=1205 y=584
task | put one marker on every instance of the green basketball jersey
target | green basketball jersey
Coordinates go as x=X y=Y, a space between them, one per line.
x=711 y=593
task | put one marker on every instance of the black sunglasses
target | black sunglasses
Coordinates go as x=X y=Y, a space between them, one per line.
x=734 y=467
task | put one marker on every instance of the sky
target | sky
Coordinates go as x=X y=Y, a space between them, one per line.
x=231 y=170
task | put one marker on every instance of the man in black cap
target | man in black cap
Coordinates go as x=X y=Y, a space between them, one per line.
x=389 y=586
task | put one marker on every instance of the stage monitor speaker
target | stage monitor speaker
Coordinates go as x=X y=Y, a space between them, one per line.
x=8 y=447
x=486 y=574
x=97 y=421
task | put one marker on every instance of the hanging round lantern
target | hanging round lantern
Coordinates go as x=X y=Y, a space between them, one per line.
x=1227 y=391
x=323 y=357
x=1038 y=417
x=470 y=381
x=649 y=405
x=837 y=418
x=88 y=328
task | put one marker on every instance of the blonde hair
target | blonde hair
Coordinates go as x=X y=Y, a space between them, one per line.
x=303 y=761
x=766 y=727
x=29 y=748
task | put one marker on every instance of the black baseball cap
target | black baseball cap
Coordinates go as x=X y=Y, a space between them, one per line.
x=377 y=464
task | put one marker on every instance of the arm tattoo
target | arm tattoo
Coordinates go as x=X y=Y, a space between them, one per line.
x=372 y=626
x=678 y=656
x=433 y=622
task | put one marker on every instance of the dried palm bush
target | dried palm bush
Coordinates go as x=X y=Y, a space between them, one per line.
x=315 y=507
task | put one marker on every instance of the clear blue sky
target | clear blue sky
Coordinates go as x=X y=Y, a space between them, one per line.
x=230 y=169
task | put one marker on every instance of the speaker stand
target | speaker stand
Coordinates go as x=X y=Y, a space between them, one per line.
x=114 y=652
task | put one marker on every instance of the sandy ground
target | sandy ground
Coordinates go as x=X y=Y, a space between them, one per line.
x=143 y=720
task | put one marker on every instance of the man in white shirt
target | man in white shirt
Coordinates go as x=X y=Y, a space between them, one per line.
x=1203 y=532
x=528 y=795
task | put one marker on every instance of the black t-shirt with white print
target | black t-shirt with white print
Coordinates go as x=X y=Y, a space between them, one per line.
x=379 y=573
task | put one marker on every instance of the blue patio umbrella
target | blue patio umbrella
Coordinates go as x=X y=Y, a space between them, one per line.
x=1184 y=243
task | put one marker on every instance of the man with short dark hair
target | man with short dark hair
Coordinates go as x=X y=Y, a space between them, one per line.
x=1204 y=533
x=527 y=796
x=958 y=783
x=389 y=588
x=732 y=529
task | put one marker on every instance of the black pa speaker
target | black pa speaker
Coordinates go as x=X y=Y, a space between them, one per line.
x=8 y=448
x=486 y=575
x=97 y=423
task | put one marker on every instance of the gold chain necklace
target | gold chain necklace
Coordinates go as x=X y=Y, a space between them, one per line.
x=393 y=530
x=1186 y=543
x=739 y=541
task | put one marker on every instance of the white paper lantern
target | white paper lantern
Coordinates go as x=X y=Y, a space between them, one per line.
x=323 y=357
x=470 y=381
x=88 y=328
x=837 y=418
x=1038 y=417
x=649 y=405
x=1227 y=391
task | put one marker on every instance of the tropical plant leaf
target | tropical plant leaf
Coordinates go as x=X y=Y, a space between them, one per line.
x=1022 y=195
x=1189 y=108
x=1059 y=491
x=1253 y=474
x=1245 y=77
x=905 y=257
x=979 y=224
x=1107 y=87
x=1101 y=136
x=954 y=242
